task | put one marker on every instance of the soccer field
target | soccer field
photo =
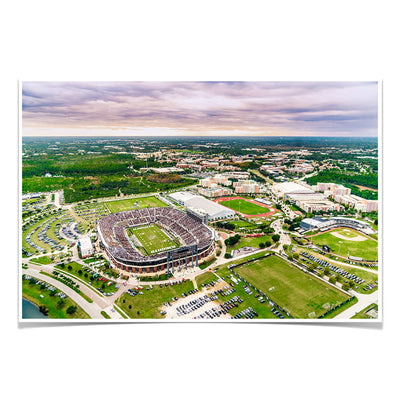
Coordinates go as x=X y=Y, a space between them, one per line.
x=130 y=204
x=303 y=295
x=245 y=207
x=152 y=239
x=346 y=241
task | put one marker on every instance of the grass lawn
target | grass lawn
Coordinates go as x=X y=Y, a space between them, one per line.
x=130 y=204
x=250 y=242
x=245 y=207
x=42 y=260
x=244 y=224
x=362 y=314
x=147 y=305
x=301 y=294
x=205 y=278
x=152 y=239
x=346 y=245
x=56 y=308
x=205 y=264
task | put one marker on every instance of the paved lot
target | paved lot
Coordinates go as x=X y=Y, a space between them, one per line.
x=173 y=313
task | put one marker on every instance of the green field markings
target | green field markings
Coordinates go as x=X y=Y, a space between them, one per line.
x=369 y=312
x=148 y=304
x=346 y=245
x=301 y=294
x=134 y=204
x=152 y=239
x=245 y=207
x=57 y=308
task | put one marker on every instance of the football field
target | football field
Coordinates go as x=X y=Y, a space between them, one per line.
x=346 y=241
x=152 y=239
x=303 y=295
x=245 y=207
x=134 y=204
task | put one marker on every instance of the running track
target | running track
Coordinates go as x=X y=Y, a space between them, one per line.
x=268 y=214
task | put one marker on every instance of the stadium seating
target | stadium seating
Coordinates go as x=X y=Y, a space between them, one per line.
x=112 y=231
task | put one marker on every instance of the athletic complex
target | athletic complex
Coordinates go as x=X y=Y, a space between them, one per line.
x=249 y=208
x=155 y=239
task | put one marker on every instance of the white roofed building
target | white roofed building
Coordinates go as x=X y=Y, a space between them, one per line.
x=85 y=245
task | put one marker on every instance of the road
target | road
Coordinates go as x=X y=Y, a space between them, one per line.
x=92 y=309
x=100 y=303
x=364 y=300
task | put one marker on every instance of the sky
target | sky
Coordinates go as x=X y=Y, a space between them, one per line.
x=200 y=108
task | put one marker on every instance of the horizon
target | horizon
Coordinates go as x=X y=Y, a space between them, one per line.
x=200 y=109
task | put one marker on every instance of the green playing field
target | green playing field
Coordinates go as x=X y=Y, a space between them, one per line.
x=303 y=295
x=245 y=207
x=151 y=239
x=345 y=241
x=134 y=204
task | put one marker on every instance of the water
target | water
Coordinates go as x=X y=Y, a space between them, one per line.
x=31 y=311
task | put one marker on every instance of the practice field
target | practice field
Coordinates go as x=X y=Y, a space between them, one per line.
x=152 y=239
x=346 y=241
x=134 y=204
x=303 y=295
x=243 y=206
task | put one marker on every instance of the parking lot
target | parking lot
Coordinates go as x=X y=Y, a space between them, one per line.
x=200 y=305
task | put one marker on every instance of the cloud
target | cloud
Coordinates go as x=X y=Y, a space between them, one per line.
x=210 y=107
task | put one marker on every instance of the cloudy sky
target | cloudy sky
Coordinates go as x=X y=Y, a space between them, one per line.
x=200 y=108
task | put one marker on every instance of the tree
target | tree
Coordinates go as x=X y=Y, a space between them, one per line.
x=268 y=243
x=43 y=309
x=71 y=310
x=60 y=303
x=345 y=286
x=275 y=238
x=261 y=245
x=296 y=256
x=332 y=279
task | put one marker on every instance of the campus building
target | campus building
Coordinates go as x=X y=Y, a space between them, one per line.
x=85 y=246
x=213 y=210
x=214 y=192
x=246 y=186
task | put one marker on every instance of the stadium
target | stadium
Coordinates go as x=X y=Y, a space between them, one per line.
x=151 y=240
